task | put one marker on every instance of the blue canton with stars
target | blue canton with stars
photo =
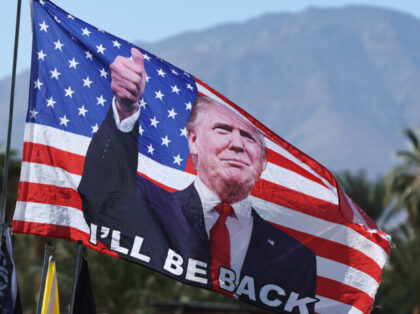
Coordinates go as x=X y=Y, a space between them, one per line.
x=70 y=85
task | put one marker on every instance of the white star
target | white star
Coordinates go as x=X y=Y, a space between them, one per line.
x=175 y=89
x=165 y=140
x=186 y=74
x=154 y=122
x=38 y=84
x=161 y=73
x=141 y=130
x=95 y=128
x=146 y=56
x=51 y=102
x=188 y=105
x=184 y=132
x=101 y=49
x=116 y=44
x=33 y=113
x=88 y=55
x=58 y=45
x=101 y=100
x=41 y=55
x=147 y=78
x=87 y=82
x=142 y=103
x=82 y=111
x=174 y=72
x=172 y=113
x=55 y=74
x=177 y=160
x=103 y=73
x=73 y=63
x=43 y=27
x=190 y=87
x=159 y=95
x=42 y=2
x=150 y=149
x=56 y=19
x=64 y=120
x=69 y=92
x=86 y=32
x=101 y=30
x=69 y=16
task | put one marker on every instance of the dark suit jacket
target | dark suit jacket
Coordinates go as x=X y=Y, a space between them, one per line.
x=115 y=196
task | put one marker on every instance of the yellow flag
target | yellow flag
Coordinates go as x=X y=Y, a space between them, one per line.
x=50 y=304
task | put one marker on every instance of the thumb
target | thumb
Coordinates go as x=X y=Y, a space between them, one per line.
x=137 y=56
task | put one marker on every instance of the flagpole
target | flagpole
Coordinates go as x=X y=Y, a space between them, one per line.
x=75 y=275
x=9 y=129
x=44 y=277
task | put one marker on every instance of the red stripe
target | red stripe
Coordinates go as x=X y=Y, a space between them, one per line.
x=343 y=293
x=300 y=202
x=337 y=252
x=48 y=194
x=283 y=162
x=317 y=167
x=56 y=231
x=48 y=155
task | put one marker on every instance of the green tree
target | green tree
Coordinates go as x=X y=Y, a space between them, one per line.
x=404 y=181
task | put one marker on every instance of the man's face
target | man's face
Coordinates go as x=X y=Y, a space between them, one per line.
x=229 y=155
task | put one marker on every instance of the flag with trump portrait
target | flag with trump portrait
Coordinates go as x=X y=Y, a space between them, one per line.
x=143 y=161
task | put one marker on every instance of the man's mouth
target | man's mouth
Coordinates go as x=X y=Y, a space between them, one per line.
x=235 y=162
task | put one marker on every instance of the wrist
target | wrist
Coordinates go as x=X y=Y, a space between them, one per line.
x=125 y=109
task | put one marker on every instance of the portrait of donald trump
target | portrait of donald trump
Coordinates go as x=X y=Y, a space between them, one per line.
x=212 y=221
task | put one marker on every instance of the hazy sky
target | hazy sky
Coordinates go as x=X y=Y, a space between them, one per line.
x=155 y=20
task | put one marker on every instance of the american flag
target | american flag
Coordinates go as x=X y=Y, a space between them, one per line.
x=69 y=97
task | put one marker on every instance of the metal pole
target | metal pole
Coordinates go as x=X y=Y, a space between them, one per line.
x=44 y=276
x=75 y=275
x=9 y=129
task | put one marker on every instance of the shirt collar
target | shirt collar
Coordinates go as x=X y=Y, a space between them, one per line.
x=209 y=200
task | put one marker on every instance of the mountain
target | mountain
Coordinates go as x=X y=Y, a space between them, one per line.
x=339 y=84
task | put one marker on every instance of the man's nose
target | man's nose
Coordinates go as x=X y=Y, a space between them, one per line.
x=236 y=142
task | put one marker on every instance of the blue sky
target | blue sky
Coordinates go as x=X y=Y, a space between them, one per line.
x=155 y=20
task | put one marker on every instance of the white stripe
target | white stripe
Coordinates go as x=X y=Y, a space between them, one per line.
x=50 y=214
x=294 y=181
x=357 y=217
x=329 y=306
x=47 y=135
x=168 y=176
x=44 y=174
x=346 y=275
x=320 y=228
x=280 y=150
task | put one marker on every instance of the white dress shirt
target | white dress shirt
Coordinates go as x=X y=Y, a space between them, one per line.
x=239 y=225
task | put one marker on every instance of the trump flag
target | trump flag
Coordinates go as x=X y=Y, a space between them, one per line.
x=143 y=161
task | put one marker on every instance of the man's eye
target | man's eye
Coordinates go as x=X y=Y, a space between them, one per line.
x=247 y=135
x=223 y=129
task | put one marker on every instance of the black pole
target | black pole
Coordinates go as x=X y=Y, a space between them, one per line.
x=9 y=129
x=44 y=277
x=75 y=275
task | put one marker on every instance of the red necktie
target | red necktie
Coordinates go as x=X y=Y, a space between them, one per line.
x=220 y=245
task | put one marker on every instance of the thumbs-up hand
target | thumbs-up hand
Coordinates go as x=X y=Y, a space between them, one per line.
x=128 y=80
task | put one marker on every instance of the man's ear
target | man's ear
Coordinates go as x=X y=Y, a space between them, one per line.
x=192 y=142
x=264 y=161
